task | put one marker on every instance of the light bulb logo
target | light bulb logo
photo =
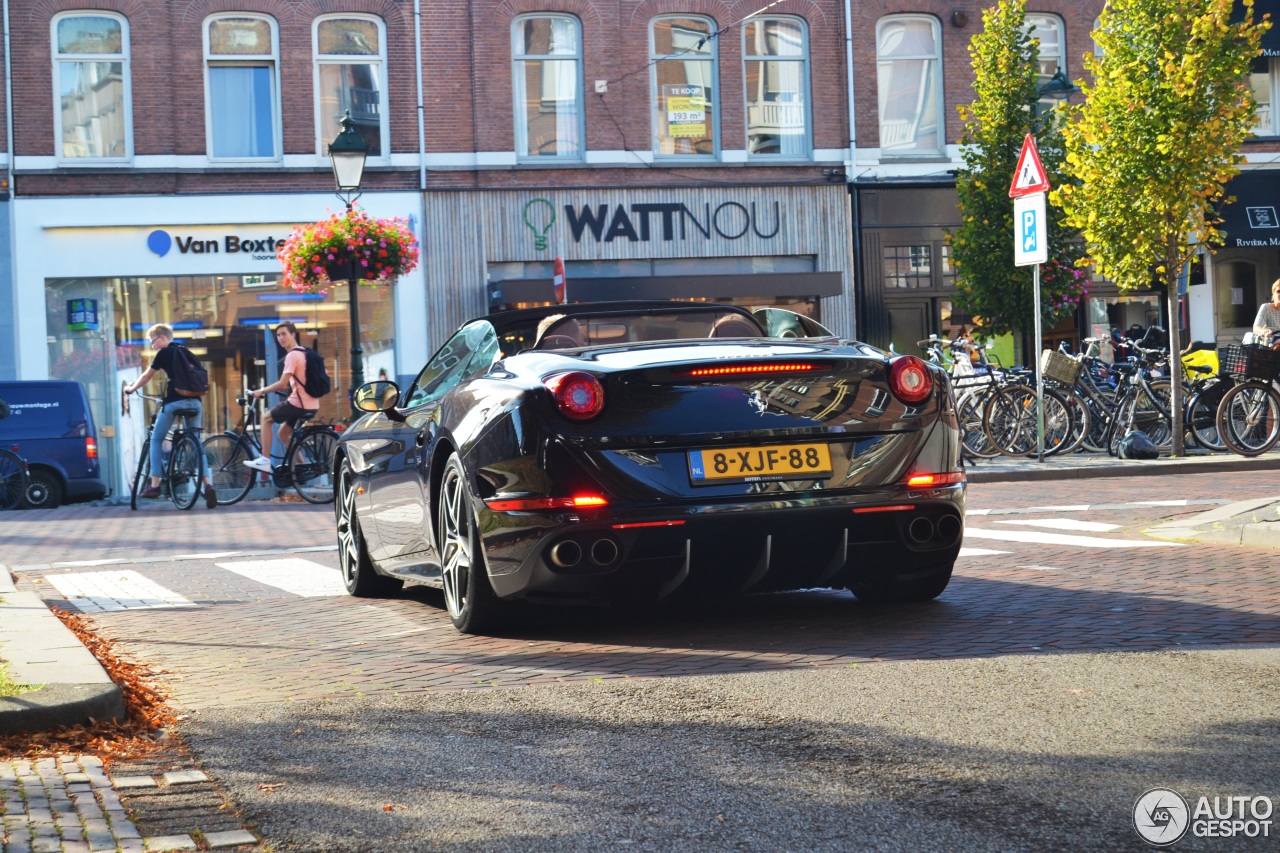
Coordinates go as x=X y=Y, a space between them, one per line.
x=539 y=215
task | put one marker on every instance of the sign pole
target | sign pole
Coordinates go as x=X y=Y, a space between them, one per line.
x=1035 y=364
x=1031 y=248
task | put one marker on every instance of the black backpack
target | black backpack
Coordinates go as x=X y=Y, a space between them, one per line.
x=317 y=383
x=188 y=377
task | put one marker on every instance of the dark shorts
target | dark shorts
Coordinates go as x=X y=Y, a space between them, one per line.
x=287 y=413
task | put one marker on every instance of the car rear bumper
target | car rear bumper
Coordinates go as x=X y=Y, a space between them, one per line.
x=731 y=548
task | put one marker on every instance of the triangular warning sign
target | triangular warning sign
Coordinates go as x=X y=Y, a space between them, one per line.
x=1029 y=177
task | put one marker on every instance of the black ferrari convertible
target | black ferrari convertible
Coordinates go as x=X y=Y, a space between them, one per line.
x=623 y=451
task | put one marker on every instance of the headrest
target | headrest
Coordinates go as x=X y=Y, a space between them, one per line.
x=733 y=327
x=558 y=342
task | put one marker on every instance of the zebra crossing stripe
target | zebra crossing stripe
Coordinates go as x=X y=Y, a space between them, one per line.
x=292 y=574
x=125 y=589
x=1044 y=538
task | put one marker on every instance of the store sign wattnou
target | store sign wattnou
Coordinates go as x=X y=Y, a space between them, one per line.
x=260 y=249
x=640 y=223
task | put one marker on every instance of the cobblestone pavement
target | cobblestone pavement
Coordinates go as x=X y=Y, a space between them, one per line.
x=69 y=803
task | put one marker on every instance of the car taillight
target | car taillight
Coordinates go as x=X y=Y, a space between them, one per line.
x=90 y=447
x=950 y=478
x=528 y=504
x=910 y=379
x=578 y=396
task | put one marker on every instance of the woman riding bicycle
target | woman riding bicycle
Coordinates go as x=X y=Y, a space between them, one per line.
x=299 y=403
x=174 y=405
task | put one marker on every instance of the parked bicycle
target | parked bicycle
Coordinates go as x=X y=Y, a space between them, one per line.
x=1248 y=418
x=306 y=468
x=14 y=478
x=184 y=469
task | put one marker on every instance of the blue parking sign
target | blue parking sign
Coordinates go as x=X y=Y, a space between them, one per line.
x=1030 y=237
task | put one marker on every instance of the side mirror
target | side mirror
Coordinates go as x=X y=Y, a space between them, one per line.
x=380 y=396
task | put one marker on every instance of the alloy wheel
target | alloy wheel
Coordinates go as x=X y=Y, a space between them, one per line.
x=456 y=538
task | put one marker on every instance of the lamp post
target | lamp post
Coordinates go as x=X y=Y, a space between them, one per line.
x=347 y=153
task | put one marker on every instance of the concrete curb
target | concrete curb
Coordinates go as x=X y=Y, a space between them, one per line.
x=1252 y=523
x=1094 y=466
x=39 y=650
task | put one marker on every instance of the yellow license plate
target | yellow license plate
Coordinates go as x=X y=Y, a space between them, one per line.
x=771 y=462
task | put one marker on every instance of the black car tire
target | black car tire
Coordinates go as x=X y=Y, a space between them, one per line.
x=473 y=606
x=358 y=574
x=925 y=588
x=44 y=490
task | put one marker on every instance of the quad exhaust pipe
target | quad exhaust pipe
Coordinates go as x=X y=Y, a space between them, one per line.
x=923 y=530
x=567 y=553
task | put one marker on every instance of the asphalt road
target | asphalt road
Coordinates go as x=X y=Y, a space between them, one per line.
x=1073 y=665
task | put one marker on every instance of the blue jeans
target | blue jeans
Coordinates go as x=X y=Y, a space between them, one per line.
x=191 y=411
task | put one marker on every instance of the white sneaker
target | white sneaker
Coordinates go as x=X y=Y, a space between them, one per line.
x=262 y=463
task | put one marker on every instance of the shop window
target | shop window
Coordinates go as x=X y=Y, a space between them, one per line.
x=908 y=267
x=909 y=85
x=1049 y=32
x=682 y=54
x=91 y=72
x=1264 y=81
x=242 y=101
x=776 y=56
x=1236 y=283
x=547 y=74
x=350 y=77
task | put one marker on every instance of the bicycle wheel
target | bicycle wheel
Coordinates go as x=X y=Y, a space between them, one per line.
x=13 y=479
x=1059 y=423
x=1010 y=420
x=184 y=472
x=225 y=455
x=143 y=475
x=1151 y=413
x=1202 y=414
x=1081 y=419
x=969 y=414
x=1249 y=418
x=1121 y=423
x=312 y=466
x=1100 y=416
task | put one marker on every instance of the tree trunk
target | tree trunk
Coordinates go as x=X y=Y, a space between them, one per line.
x=1175 y=352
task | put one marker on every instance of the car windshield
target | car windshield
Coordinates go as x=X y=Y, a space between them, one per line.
x=604 y=329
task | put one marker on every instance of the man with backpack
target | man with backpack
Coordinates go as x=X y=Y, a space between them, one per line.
x=188 y=380
x=295 y=379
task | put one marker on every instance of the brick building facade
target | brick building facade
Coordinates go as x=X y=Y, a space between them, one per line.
x=692 y=149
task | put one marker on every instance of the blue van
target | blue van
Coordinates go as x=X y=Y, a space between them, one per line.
x=51 y=427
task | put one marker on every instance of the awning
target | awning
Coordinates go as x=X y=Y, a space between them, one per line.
x=1253 y=219
x=1271 y=38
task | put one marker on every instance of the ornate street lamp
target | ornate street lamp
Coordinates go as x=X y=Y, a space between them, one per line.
x=347 y=153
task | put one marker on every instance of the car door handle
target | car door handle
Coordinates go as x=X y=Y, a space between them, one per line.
x=420 y=439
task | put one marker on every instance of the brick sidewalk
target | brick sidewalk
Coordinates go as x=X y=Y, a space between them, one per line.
x=82 y=532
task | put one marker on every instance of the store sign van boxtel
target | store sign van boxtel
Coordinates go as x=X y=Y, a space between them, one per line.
x=262 y=249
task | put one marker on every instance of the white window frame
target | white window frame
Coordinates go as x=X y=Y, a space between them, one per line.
x=806 y=87
x=273 y=58
x=1269 y=130
x=518 y=58
x=126 y=73
x=327 y=132
x=938 y=82
x=1046 y=21
x=713 y=60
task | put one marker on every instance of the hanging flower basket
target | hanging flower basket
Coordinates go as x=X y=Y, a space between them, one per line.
x=317 y=256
